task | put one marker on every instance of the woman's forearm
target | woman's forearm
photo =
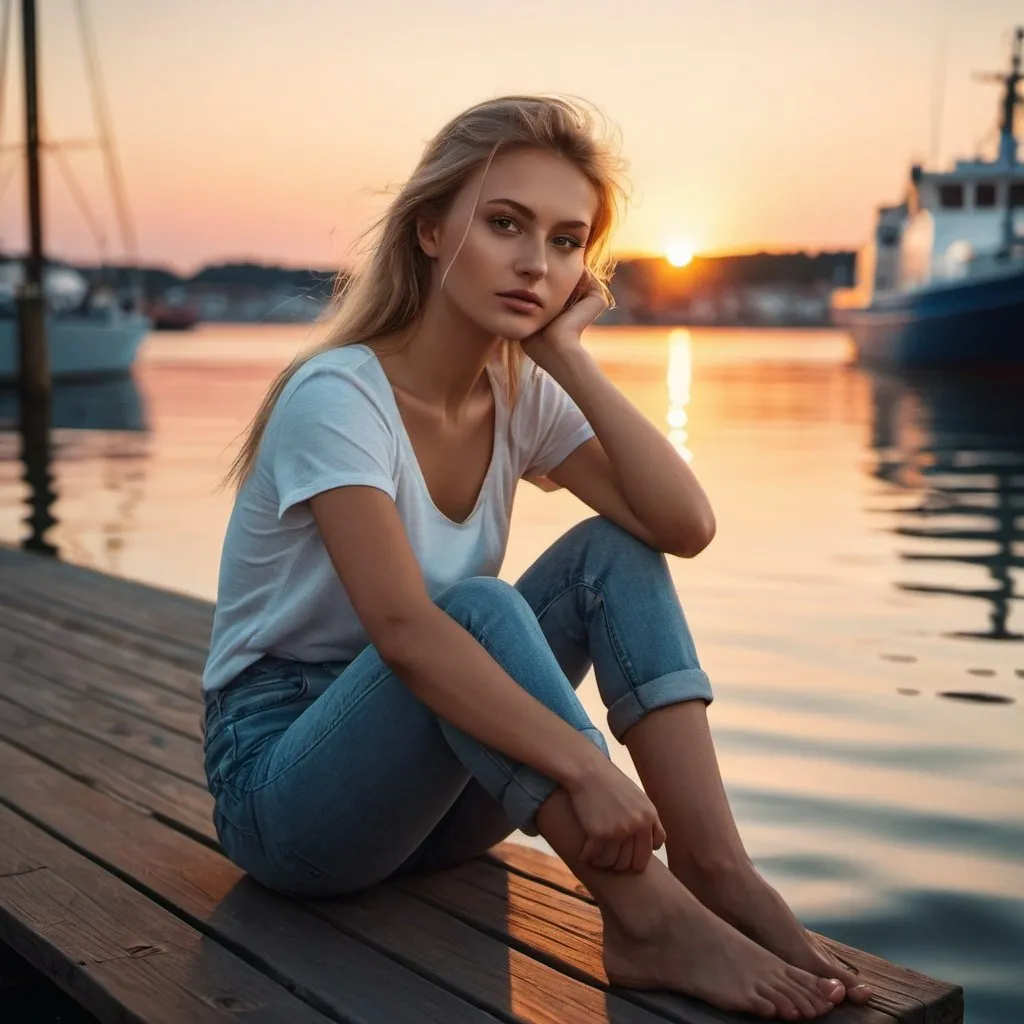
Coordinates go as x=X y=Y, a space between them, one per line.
x=658 y=485
x=455 y=676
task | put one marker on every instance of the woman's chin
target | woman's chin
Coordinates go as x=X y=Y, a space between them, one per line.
x=510 y=328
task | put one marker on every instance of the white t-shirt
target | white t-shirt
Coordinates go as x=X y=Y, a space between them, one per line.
x=337 y=423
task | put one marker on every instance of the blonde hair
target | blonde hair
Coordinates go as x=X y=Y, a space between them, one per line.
x=387 y=291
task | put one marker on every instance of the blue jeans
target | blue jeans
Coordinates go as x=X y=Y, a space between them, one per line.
x=328 y=778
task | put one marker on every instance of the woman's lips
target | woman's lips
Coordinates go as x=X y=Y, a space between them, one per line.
x=520 y=305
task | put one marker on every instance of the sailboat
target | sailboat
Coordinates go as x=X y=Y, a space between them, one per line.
x=90 y=329
x=942 y=280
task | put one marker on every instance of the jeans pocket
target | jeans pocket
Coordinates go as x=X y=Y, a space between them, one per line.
x=261 y=689
x=254 y=713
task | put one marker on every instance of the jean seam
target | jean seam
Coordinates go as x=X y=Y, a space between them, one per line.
x=596 y=586
x=582 y=581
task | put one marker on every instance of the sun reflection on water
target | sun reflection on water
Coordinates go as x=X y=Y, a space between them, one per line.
x=680 y=381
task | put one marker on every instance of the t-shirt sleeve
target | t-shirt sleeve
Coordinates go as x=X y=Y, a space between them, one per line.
x=329 y=431
x=554 y=426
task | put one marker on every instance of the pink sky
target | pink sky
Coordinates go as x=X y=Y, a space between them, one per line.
x=252 y=129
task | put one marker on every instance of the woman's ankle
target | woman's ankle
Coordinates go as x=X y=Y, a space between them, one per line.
x=721 y=865
x=647 y=909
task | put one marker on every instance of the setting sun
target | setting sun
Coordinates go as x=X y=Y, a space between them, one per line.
x=679 y=254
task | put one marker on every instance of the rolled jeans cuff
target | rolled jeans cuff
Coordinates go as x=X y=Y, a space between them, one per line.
x=527 y=788
x=672 y=688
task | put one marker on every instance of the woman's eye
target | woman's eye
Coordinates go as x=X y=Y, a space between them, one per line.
x=504 y=223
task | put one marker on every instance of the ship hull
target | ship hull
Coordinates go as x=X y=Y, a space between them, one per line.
x=977 y=323
x=79 y=346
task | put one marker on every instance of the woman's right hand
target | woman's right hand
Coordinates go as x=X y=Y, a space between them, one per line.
x=621 y=824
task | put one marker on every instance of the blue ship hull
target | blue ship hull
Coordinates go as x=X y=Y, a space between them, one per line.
x=976 y=323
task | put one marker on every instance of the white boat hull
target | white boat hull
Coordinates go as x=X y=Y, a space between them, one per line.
x=79 y=346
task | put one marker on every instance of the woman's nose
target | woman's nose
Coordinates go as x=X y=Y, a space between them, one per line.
x=532 y=262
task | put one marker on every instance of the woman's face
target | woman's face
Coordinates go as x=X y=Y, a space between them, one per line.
x=527 y=232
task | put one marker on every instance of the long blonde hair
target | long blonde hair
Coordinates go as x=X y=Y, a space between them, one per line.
x=387 y=291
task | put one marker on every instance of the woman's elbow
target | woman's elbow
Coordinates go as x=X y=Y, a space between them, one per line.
x=695 y=537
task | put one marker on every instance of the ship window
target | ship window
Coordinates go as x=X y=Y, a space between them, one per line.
x=951 y=197
x=984 y=195
x=1017 y=194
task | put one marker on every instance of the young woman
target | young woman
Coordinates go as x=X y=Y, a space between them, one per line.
x=377 y=701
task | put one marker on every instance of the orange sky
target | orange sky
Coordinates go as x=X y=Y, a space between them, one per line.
x=254 y=129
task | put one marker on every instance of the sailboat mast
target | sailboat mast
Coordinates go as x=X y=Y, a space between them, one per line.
x=34 y=267
x=35 y=395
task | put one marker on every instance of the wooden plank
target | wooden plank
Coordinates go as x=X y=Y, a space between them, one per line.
x=566 y=932
x=117 y=953
x=118 y=690
x=187 y=805
x=147 y=607
x=92 y=650
x=542 y=867
x=476 y=965
x=88 y=618
x=280 y=936
x=120 y=729
x=899 y=990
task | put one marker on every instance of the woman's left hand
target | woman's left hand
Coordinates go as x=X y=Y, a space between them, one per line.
x=566 y=329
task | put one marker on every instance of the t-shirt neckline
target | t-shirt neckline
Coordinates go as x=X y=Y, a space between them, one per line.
x=406 y=440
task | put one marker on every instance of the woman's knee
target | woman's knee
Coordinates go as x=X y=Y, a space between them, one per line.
x=478 y=602
x=501 y=619
x=609 y=547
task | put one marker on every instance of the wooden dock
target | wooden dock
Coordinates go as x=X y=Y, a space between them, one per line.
x=113 y=885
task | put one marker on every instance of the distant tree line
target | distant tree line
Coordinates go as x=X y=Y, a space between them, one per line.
x=319 y=284
x=702 y=272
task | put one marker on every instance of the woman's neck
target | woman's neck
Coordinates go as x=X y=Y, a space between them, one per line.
x=439 y=358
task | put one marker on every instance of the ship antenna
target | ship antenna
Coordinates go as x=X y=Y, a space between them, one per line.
x=1007 y=137
x=1008 y=108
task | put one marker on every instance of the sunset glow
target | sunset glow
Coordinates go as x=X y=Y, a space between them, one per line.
x=679 y=254
x=278 y=142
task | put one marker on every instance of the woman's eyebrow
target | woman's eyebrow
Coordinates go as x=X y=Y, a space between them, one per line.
x=526 y=212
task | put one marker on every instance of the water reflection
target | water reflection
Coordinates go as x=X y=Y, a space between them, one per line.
x=100 y=446
x=680 y=380
x=957 y=444
x=112 y=403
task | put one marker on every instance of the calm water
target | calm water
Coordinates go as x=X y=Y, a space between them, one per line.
x=859 y=611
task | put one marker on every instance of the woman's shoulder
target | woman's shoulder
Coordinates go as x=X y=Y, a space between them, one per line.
x=338 y=370
x=340 y=361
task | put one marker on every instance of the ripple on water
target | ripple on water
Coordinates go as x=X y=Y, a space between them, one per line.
x=977 y=697
x=893 y=824
x=917 y=756
x=968 y=939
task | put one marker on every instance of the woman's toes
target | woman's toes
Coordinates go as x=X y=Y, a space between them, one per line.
x=832 y=989
x=848 y=978
x=781 y=996
x=805 y=1003
x=859 y=993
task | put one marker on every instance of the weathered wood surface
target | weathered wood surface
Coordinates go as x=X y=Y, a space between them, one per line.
x=112 y=882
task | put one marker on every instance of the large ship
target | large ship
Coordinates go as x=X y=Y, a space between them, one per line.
x=942 y=281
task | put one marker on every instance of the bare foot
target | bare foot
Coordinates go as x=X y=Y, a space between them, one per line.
x=694 y=952
x=747 y=902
